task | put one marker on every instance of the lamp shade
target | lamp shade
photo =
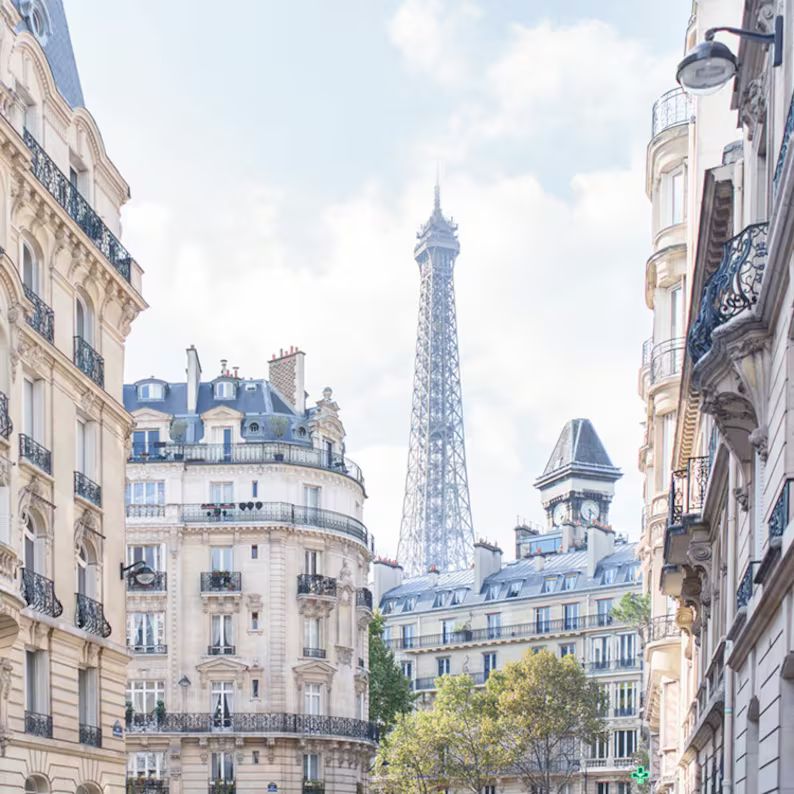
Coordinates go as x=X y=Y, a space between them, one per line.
x=143 y=575
x=706 y=68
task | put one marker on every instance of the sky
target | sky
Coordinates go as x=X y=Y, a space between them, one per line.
x=282 y=156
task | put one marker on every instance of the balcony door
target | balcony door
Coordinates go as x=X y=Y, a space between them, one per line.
x=600 y=648
x=222 y=767
x=221 y=558
x=222 y=704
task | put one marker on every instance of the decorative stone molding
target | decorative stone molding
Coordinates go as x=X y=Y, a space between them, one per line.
x=344 y=655
x=742 y=496
x=222 y=668
x=752 y=107
x=315 y=606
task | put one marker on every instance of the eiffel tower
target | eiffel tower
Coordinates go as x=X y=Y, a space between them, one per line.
x=436 y=528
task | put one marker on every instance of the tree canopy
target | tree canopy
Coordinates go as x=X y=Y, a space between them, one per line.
x=389 y=690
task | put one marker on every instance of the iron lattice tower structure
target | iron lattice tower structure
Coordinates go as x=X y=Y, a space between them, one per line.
x=436 y=526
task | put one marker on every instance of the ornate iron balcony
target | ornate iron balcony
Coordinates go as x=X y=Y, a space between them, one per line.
x=35 y=453
x=688 y=490
x=662 y=628
x=38 y=724
x=89 y=362
x=667 y=359
x=159 y=584
x=145 y=511
x=671 y=109
x=77 y=208
x=745 y=590
x=785 y=143
x=313 y=787
x=314 y=653
x=90 y=616
x=315 y=584
x=732 y=288
x=779 y=519
x=364 y=598
x=146 y=785
x=221 y=787
x=39 y=593
x=91 y=735
x=221 y=650
x=158 y=649
x=43 y=318
x=87 y=489
x=221 y=582
x=6 y=425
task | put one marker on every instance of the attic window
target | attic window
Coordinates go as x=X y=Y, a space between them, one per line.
x=388 y=607
x=458 y=596
x=409 y=604
x=514 y=589
x=569 y=582
x=150 y=391
x=38 y=20
x=492 y=593
x=250 y=387
x=631 y=573
x=439 y=599
x=549 y=583
x=253 y=427
x=224 y=390
x=609 y=576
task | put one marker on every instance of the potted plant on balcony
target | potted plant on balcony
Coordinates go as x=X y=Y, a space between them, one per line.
x=160 y=712
x=462 y=629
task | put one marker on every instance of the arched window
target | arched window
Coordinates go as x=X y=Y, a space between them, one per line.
x=36 y=785
x=86 y=570
x=30 y=268
x=84 y=319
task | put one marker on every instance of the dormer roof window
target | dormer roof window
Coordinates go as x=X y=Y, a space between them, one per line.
x=549 y=584
x=569 y=582
x=609 y=576
x=151 y=390
x=459 y=594
x=38 y=19
x=388 y=607
x=514 y=589
x=409 y=604
x=224 y=390
x=440 y=599
x=631 y=573
x=492 y=593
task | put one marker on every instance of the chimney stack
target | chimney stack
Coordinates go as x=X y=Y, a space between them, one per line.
x=193 y=378
x=487 y=560
x=387 y=574
x=600 y=544
x=286 y=373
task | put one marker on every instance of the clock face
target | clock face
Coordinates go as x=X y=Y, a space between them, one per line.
x=590 y=510
x=558 y=516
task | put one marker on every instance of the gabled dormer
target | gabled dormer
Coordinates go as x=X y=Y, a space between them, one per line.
x=151 y=390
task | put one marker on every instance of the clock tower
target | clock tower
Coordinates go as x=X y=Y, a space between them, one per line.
x=578 y=482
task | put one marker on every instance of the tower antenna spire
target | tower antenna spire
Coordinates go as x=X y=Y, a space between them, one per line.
x=437 y=192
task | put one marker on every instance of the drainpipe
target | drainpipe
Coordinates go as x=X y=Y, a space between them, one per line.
x=730 y=613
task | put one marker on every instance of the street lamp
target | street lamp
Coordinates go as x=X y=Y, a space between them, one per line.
x=711 y=64
x=139 y=572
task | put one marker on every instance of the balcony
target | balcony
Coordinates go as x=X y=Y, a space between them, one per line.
x=314 y=584
x=90 y=616
x=146 y=785
x=256 y=512
x=612 y=666
x=90 y=735
x=255 y=723
x=157 y=649
x=364 y=598
x=314 y=653
x=89 y=362
x=667 y=359
x=77 y=208
x=35 y=453
x=6 y=425
x=313 y=787
x=662 y=628
x=671 y=109
x=158 y=585
x=43 y=318
x=87 y=489
x=145 y=511
x=221 y=650
x=685 y=506
x=785 y=144
x=39 y=593
x=221 y=582
x=38 y=724
x=732 y=289
x=222 y=787
x=248 y=452
x=625 y=711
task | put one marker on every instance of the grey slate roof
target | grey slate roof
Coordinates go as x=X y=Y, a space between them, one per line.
x=425 y=587
x=59 y=52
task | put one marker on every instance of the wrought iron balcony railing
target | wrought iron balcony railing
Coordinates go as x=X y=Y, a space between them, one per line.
x=90 y=616
x=146 y=785
x=364 y=598
x=159 y=584
x=647 y=346
x=89 y=362
x=672 y=108
x=35 y=453
x=745 y=590
x=316 y=585
x=221 y=650
x=314 y=653
x=157 y=649
x=779 y=519
x=257 y=512
x=688 y=490
x=43 y=318
x=77 y=208
x=87 y=489
x=785 y=143
x=145 y=511
x=613 y=665
x=38 y=724
x=256 y=723
x=221 y=787
x=6 y=425
x=249 y=452
x=662 y=628
x=313 y=787
x=221 y=582
x=732 y=288
x=91 y=735
x=667 y=359
x=39 y=593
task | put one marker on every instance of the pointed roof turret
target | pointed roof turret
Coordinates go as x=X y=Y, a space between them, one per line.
x=438 y=231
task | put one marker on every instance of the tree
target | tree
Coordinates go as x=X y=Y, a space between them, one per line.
x=634 y=609
x=546 y=708
x=389 y=690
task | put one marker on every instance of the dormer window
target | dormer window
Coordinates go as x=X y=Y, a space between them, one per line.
x=409 y=604
x=458 y=595
x=569 y=582
x=388 y=607
x=224 y=390
x=514 y=589
x=439 y=599
x=38 y=19
x=549 y=584
x=253 y=427
x=609 y=576
x=151 y=391
x=631 y=573
x=492 y=593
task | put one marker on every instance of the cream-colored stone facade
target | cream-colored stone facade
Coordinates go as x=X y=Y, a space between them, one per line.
x=253 y=636
x=68 y=294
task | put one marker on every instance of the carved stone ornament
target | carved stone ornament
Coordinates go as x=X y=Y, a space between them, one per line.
x=752 y=108
x=5 y=471
x=759 y=438
x=765 y=16
x=344 y=655
x=742 y=497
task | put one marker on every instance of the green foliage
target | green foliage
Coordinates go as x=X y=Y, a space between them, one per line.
x=634 y=609
x=389 y=690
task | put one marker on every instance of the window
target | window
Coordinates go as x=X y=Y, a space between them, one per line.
x=255 y=756
x=254 y=552
x=604 y=611
x=549 y=584
x=311 y=634
x=600 y=748
x=492 y=593
x=254 y=621
x=667 y=431
x=609 y=576
x=145 y=631
x=569 y=582
x=328 y=448
x=224 y=390
x=221 y=558
x=35 y=542
x=570 y=616
x=600 y=652
x=222 y=767
x=439 y=599
x=447 y=629
x=311 y=496
x=407 y=635
x=676 y=309
x=514 y=589
x=33 y=409
x=254 y=489
x=86 y=571
x=388 y=606
x=489 y=663
x=150 y=391
x=602 y=787
x=407 y=669
x=542 y=619
x=84 y=320
x=677 y=197
x=627 y=647
x=631 y=573
x=625 y=698
x=459 y=594
x=30 y=269
x=567 y=649
x=221 y=639
x=145 y=443
x=311 y=699
x=409 y=604
x=624 y=787
x=442 y=665
x=150 y=554
x=625 y=743
x=38 y=21
x=222 y=703
x=147 y=765
x=146 y=492
x=87 y=696
x=221 y=492
x=494 y=624
x=85 y=448
x=37 y=684
x=311 y=766
x=144 y=695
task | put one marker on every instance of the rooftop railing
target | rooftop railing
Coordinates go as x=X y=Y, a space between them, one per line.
x=146 y=785
x=671 y=109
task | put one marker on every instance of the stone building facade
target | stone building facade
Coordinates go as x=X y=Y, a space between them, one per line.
x=250 y=645
x=69 y=292
x=557 y=594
